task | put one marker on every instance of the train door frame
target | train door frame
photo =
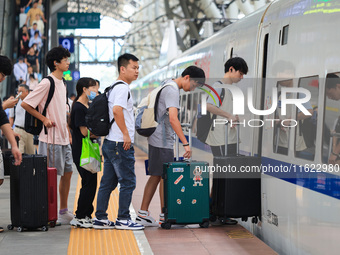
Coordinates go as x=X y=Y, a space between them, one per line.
x=262 y=76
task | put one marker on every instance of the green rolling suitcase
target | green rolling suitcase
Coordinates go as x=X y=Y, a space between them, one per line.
x=186 y=193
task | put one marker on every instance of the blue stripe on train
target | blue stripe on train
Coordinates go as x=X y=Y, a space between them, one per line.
x=324 y=183
x=321 y=182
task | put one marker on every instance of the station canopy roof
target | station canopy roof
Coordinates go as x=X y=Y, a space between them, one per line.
x=117 y=9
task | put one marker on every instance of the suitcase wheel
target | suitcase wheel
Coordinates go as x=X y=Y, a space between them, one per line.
x=204 y=224
x=52 y=223
x=10 y=227
x=212 y=218
x=44 y=228
x=244 y=218
x=254 y=220
x=20 y=229
x=166 y=225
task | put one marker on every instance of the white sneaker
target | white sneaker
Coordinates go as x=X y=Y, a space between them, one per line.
x=161 y=219
x=65 y=218
x=128 y=225
x=145 y=219
x=83 y=223
x=103 y=224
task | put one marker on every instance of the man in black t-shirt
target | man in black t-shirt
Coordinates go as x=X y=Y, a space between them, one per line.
x=5 y=70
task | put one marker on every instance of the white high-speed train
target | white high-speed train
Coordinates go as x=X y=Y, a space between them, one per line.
x=287 y=40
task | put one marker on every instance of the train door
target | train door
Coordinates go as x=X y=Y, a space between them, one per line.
x=262 y=79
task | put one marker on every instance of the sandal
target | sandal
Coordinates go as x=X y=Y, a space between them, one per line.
x=1 y=229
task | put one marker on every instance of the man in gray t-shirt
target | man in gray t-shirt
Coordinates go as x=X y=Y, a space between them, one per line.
x=161 y=142
x=164 y=135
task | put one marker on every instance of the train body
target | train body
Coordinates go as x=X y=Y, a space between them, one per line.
x=287 y=40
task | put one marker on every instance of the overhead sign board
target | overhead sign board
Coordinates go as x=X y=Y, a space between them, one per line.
x=76 y=20
x=67 y=43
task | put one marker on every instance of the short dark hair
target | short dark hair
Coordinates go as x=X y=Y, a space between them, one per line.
x=195 y=73
x=239 y=64
x=98 y=82
x=24 y=86
x=6 y=66
x=124 y=59
x=332 y=80
x=56 y=54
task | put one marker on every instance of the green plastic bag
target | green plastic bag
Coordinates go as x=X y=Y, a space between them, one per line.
x=90 y=155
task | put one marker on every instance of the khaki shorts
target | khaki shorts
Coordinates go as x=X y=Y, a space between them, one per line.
x=62 y=155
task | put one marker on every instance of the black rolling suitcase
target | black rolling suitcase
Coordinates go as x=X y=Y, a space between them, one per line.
x=28 y=188
x=236 y=194
x=6 y=156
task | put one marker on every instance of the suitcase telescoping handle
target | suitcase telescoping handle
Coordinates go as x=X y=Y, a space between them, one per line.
x=48 y=147
x=226 y=139
x=188 y=125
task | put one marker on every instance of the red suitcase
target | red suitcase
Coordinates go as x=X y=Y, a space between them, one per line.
x=52 y=189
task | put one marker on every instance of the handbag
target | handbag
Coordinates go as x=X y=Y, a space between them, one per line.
x=90 y=158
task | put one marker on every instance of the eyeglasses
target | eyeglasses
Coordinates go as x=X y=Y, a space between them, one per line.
x=67 y=60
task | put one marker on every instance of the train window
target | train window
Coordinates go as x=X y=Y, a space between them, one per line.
x=194 y=112
x=285 y=35
x=183 y=105
x=188 y=111
x=305 y=131
x=280 y=37
x=331 y=123
x=282 y=130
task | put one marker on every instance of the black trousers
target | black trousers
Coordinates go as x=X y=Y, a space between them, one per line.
x=87 y=193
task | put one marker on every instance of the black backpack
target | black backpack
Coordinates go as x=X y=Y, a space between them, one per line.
x=97 y=117
x=205 y=122
x=34 y=125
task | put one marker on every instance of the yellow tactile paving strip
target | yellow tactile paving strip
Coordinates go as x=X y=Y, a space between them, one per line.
x=239 y=234
x=100 y=242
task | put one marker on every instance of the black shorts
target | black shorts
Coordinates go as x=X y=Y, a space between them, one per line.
x=158 y=156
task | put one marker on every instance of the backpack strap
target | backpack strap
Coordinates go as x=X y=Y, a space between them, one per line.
x=108 y=90
x=64 y=81
x=157 y=101
x=49 y=98
x=214 y=115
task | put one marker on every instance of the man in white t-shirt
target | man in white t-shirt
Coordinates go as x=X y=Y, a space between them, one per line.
x=26 y=139
x=20 y=70
x=57 y=60
x=118 y=151
x=234 y=69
